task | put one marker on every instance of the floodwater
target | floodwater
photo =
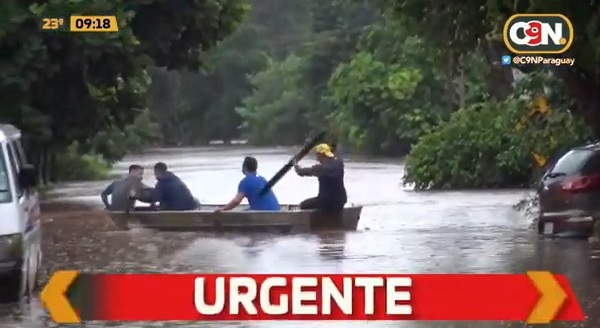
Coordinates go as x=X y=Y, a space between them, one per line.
x=401 y=231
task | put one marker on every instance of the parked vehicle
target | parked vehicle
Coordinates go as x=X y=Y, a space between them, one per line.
x=569 y=194
x=20 y=226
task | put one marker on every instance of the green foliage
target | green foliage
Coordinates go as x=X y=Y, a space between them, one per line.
x=275 y=111
x=114 y=143
x=386 y=75
x=383 y=75
x=491 y=145
x=236 y=60
x=385 y=98
x=283 y=26
x=61 y=87
x=463 y=26
x=194 y=108
x=76 y=167
x=336 y=28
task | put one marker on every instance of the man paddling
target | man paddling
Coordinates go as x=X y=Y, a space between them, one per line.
x=250 y=187
x=330 y=172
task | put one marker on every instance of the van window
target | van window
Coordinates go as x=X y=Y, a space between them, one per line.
x=21 y=156
x=15 y=168
x=572 y=162
x=14 y=155
x=5 y=195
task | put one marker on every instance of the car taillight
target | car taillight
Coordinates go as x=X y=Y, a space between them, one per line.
x=581 y=183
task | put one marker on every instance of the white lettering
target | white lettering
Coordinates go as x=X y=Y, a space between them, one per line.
x=538 y=32
x=243 y=298
x=556 y=61
x=265 y=297
x=369 y=284
x=553 y=33
x=200 y=302
x=342 y=299
x=393 y=296
x=299 y=295
x=514 y=29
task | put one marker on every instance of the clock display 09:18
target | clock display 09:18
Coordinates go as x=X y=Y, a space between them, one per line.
x=93 y=24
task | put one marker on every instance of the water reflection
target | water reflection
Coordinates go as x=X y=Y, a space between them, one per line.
x=332 y=245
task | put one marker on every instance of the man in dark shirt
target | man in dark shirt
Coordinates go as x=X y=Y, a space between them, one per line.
x=330 y=172
x=171 y=192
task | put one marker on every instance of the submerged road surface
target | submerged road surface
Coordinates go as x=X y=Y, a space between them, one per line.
x=401 y=231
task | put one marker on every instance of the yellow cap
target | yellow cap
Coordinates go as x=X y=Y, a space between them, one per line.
x=324 y=149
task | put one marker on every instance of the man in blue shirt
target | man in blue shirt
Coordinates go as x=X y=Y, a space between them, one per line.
x=171 y=192
x=250 y=187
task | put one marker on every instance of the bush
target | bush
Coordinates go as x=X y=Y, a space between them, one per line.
x=111 y=145
x=73 y=166
x=494 y=145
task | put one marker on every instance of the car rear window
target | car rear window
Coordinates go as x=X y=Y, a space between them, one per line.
x=572 y=161
x=592 y=165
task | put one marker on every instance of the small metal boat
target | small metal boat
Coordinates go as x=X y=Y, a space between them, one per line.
x=291 y=219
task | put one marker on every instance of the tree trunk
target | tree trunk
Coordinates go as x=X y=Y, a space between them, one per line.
x=48 y=170
x=40 y=163
x=461 y=86
x=584 y=88
x=500 y=79
x=52 y=159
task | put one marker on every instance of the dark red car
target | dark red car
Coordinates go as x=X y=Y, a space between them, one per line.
x=569 y=194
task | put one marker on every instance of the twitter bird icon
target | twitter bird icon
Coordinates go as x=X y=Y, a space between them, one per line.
x=506 y=60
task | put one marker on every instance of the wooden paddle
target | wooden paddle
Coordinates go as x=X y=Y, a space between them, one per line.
x=310 y=144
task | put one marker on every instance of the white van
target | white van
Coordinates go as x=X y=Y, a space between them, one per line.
x=20 y=226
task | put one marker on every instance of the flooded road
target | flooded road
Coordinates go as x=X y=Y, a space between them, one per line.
x=401 y=231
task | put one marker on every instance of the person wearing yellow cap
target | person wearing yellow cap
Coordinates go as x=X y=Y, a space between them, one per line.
x=330 y=172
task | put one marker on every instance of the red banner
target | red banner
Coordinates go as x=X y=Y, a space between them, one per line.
x=535 y=297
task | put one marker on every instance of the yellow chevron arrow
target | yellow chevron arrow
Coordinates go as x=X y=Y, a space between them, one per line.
x=54 y=297
x=551 y=299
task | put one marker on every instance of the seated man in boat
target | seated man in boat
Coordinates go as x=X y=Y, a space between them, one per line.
x=124 y=192
x=250 y=187
x=172 y=193
x=330 y=172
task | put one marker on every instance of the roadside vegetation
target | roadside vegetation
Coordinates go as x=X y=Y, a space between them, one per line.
x=419 y=79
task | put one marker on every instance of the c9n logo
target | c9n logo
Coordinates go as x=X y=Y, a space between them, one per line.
x=538 y=34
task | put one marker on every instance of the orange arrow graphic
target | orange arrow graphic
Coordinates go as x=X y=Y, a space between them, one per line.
x=552 y=297
x=54 y=297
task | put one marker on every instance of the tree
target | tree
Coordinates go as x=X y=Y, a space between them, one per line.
x=61 y=87
x=495 y=144
x=275 y=111
x=336 y=29
x=479 y=24
x=284 y=26
x=198 y=107
x=388 y=95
